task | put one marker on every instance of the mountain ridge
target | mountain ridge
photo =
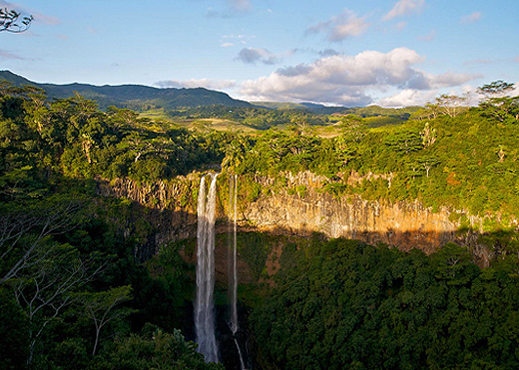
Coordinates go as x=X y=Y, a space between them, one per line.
x=132 y=96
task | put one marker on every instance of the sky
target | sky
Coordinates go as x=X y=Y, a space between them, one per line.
x=352 y=53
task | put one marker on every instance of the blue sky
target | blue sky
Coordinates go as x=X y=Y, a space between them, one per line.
x=391 y=53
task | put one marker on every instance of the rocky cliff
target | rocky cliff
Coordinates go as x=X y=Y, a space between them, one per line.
x=404 y=225
x=168 y=207
x=171 y=209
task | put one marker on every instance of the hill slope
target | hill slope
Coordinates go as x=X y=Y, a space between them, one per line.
x=135 y=97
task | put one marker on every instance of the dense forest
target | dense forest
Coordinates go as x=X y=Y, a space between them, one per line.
x=348 y=305
x=74 y=295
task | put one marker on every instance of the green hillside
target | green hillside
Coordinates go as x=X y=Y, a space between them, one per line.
x=136 y=97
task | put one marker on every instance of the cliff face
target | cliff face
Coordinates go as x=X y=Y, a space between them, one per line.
x=170 y=208
x=405 y=225
x=166 y=207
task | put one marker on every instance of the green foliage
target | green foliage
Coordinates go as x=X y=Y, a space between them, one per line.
x=153 y=349
x=351 y=305
x=71 y=136
x=14 y=333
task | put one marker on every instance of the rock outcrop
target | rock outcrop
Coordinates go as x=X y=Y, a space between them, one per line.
x=171 y=210
x=401 y=224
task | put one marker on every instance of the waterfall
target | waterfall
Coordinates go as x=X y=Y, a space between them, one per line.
x=204 y=303
x=233 y=276
x=232 y=252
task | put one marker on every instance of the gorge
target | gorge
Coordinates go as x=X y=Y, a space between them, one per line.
x=367 y=243
x=406 y=225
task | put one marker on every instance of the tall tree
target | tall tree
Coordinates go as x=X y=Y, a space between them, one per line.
x=100 y=308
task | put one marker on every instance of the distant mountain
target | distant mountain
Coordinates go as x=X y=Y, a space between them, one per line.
x=136 y=97
x=312 y=107
x=323 y=109
x=375 y=110
x=277 y=105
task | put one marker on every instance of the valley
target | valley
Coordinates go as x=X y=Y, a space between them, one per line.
x=366 y=238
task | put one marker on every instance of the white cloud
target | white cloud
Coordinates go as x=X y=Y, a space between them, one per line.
x=429 y=37
x=450 y=79
x=226 y=44
x=193 y=83
x=351 y=80
x=408 y=97
x=405 y=7
x=471 y=18
x=340 y=27
x=253 y=55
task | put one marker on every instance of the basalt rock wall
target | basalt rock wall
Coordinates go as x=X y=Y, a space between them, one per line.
x=168 y=207
x=402 y=224
x=171 y=210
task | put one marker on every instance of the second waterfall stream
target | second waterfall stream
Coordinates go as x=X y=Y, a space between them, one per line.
x=231 y=263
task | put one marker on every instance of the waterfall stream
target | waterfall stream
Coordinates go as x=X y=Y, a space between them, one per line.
x=205 y=268
x=205 y=272
x=233 y=276
x=232 y=254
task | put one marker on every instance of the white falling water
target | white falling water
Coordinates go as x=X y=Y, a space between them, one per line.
x=233 y=276
x=204 y=303
x=233 y=273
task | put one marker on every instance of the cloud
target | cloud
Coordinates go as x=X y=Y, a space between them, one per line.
x=471 y=18
x=45 y=19
x=408 y=97
x=253 y=55
x=234 y=8
x=340 y=27
x=451 y=79
x=404 y=7
x=240 y=6
x=401 y=25
x=328 y=52
x=226 y=44
x=349 y=80
x=193 y=83
x=429 y=37
x=4 y=54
